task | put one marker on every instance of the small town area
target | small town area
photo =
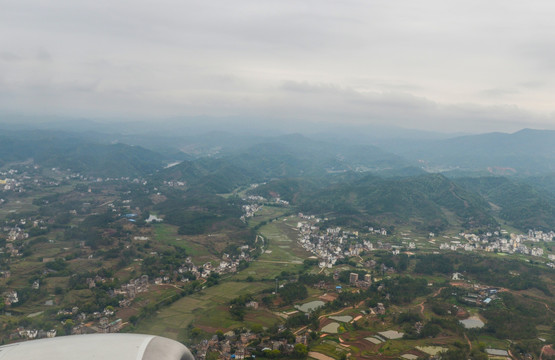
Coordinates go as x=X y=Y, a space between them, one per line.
x=298 y=288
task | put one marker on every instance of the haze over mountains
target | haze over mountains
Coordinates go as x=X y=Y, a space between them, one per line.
x=178 y=215
x=523 y=153
x=434 y=182
x=526 y=152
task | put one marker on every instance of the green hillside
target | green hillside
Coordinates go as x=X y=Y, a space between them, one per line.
x=523 y=205
x=430 y=202
x=526 y=152
x=67 y=151
x=284 y=157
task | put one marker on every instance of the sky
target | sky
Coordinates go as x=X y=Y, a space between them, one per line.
x=449 y=66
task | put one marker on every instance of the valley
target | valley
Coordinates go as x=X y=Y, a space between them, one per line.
x=268 y=253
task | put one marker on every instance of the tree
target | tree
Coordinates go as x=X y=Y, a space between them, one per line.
x=292 y=292
x=257 y=329
x=68 y=325
x=213 y=355
x=237 y=312
x=195 y=333
x=430 y=330
x=300 y=351
x=134 y=319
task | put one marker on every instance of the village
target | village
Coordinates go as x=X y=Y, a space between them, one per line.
x=334 y=250
x=499 y=242
x=19 y=234
x=245 y=344
x=333 y=244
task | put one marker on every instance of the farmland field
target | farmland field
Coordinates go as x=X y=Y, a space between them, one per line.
x=206 y=310
x=282 y=252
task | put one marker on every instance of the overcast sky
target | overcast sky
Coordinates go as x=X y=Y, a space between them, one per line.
x=437 y=65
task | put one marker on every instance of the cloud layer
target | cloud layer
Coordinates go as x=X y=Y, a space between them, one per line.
x=450 y=66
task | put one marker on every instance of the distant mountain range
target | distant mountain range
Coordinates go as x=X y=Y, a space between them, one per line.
x=292 y=156
x=524 y=153
x=69 y=152
x=361 y=182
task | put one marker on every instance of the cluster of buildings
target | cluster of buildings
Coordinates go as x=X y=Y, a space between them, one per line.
x=81 y=316
x=102 y=324
x=360 y=283
x=259 y=200
x=249 y=211
x=281 y=202
x=11 y=185
x=13 y=250
x=30 y=334
x=333 y=243
x=240 y=346
x=174 y=183
x=480 y=295
x=91 y=282
x=106 y=326
x=129 y=290
x=12 y=180
x=97 y=322
x=496 y=242
x=537 y=236
x=68 y=312
x=229 y=264
x=552 y=258
x=15 y=180
x=379 y=309
x=10 y=297
x=15 y=233
x=255 y=199
x=78 y=176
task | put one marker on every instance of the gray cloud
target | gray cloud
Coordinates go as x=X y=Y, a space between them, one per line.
x=43 y=55
x=497 y=92
x=532 y=84
x=8 y=56
x=434 y=65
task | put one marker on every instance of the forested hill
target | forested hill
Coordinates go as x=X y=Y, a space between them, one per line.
x=291 y=156
x=367 y=185
x=354 y=183
x=430 y=202
x=68 y=151
x=525 y=153
x=522 y=204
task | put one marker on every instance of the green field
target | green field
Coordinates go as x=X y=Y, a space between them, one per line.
x=22 y=205
x=265 y=214
x=330 y=348
x=282 y=253
x=167 y=234
x=207 y=310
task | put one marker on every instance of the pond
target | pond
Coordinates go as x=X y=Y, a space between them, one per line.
x=310 y=306
x=472 y=322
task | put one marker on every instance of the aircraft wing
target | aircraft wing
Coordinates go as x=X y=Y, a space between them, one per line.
x=97 y=347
